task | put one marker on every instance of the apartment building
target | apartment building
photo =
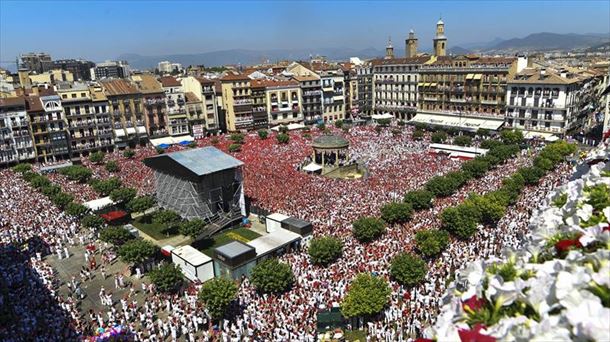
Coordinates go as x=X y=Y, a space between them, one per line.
x=465 y=92
x=546 y=102
x=35 y=61
x=50 y=77
x=89 y=124
x=205 y=91
x=281 y=101
x=237 y=102
x=311 y=96
x=195 y=114
x=15 y=136
x=260 y=112
x=394 y=86
x=80 y=69
x=110 y=69
x=364 y=74
x=127 y=112
x=333 y=91
x=176 y=106
x=351 y=89
x=155 y=108
x=49 y=126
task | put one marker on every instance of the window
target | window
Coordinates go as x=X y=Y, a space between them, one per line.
x=73 y=96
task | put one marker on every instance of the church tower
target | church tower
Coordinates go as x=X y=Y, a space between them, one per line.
x=389 y=50
x=440 y=41
x=411 y=45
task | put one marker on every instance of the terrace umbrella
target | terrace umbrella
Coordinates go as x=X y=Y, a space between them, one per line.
x=164 y=146
x=184 y=142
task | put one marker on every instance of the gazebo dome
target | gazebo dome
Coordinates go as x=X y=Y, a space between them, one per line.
x=330 y=142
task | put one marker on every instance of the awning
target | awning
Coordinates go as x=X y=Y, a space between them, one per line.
x=382 y=116
x=141 y=129
x=162 y=141
x=182 y=138
x=421 y=84
x=99 y=203
x=470 y=124
x=540 y=135
x=433 y=84
x=313 y=167
x=119 y=132
x=477 y=76
x=131 y=130
x=469 y=76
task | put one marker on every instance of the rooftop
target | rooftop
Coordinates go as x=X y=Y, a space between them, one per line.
x=271 y=241
x=190 y=254
x=330 y=141
x=197 y=162
x=119 y=87
x=169 y=81
x=234 y=249
x=147 y=83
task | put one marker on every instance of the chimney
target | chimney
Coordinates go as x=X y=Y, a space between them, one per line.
x=542 y=71
x=563 y=73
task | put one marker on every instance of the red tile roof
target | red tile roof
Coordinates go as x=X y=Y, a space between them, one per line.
x=119 y=87
x=169 y=81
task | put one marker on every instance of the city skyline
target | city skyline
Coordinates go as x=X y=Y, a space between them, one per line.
x=110 y=29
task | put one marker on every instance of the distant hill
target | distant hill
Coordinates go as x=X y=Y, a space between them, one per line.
x=247 y=57
x=545 y=41
x=458 y=50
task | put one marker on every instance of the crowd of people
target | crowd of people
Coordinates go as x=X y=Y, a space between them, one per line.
x=33 y=227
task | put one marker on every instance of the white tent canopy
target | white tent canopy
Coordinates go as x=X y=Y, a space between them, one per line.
x=171 y=140
x=99 y=203
x=382 y=116
x=312 y=167
x=471 y=124
x=290 y=127
x=541 y=135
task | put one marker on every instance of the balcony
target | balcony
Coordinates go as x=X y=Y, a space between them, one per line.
x=490 y=102
x=242 y=102
x=385 y=81
x=458 y=100
x=312 y=93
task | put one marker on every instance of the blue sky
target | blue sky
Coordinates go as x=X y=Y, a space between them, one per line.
x=99 y=30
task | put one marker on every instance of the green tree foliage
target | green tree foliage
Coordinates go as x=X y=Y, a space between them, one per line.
x=366 y=229
x=192 y=228
x=160 y=150
x=483 y=132
x=234 y=148
x=339 y=123
x=396 y=212
x=460 y=221
x=367 y=296
x=122 y=195
x=29 y=176
x=141 y=203
x=76 y=173
x=512 y=137
x=105 y=187
x=504 y=152
x=168 y=218
x=443 y=186
x=76 y=209
x=192 y=144
x=50 y=190
x=384 y=122
x=167 y=278
x=431 y=242
x=92 y=221
x=490 y=143
x=97 y=157
x=22 y=168
x=419 y=199
x=477 y=167
x=321 y=126
x=543 y=163
x=408 y=269
x=214 y=141
x=272 y=276
x=283 y=138
x=115 y=235
x=283 y=129
x=62 y=199
x=439 y=137
x=263 y=134
x=112 y=166
x=462 y=140
x=531 y=175
x=128 y=154
x=491 y=210
x=137 y=251
x=237 y=138
x=217 y=294
x=324 y=250
x=401 y=123
x=418 y=134
x=39 y=181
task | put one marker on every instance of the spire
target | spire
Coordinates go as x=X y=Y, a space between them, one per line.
x=389 y=41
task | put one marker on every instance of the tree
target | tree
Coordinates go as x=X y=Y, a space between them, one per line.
x=321 y=126
x=543 y=163
x=460 y=221
x=29 y=176
x=283 y=129
x=419 y=199
x=234 y=148
x=367 y=296
x=112 y=166
x=141 y=203
x=76 y=173
x=192 y=228
x=384 y=122
x=443 y=186
x=396 y=212
x=62 y=199
x=531 y=175
x=452 y=131
x=168 y=218
x=263 y=134
x=22 y=168
x=462 y=140
x=217 y=294
x=283 y=138
x=192 y=144
x=105 y=187
x=237 y=138
x=408 y=269
x=50 y=190
x=122 y=195
x=504 y=152
x=439 y=137
x=92 y=221
x=167 y=278
x=97 y=157
x=483 y=132
x=272 y=276
x=366 y=229
x=129 y=154
x=115 y=235
x=324 y=250
x=475 y=167
x=214 y=141
x=76 y=209
x=512 y=137
x=490 y=143
x=39 y=181
x=418 y=134
x=491 y=211
x=137 y=251
x=339 y=123
x=432 y=241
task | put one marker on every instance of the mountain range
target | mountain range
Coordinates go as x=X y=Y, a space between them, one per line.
x=543 y=41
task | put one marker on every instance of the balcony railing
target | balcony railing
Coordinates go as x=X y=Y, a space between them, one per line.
x=239 y=102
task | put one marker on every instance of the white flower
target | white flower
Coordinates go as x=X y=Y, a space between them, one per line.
x=506 y=292
x=589 y=320
x=585 y=212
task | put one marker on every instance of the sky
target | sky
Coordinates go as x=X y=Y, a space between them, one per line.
x=100 y=30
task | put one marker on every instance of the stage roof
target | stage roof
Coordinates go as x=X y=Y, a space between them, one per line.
x=196 y=162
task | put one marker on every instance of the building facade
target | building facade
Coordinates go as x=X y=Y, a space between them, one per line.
x=15 y=135
x=237 y=102
x=155 y=108
x=364 y=73
x=177 y=118
x=127 y=113
x=49 y=127
x=38 y=62
x=110 y=69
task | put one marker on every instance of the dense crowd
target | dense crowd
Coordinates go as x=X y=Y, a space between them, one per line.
x=396 y=164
